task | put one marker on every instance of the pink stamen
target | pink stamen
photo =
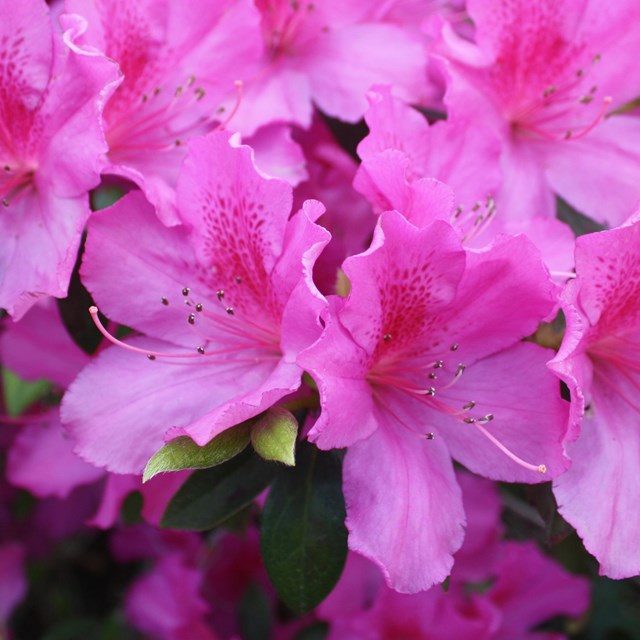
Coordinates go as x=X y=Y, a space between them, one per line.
x=540 y=468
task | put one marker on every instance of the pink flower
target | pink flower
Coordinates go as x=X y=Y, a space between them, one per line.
x=13 y=583
x=600 y=361
x=498 y=590
x=41 y=457
x=328 y=54
x=179 y=62
x=166 y=604
x=421 y=363
x=243 y=268
x=348 y=218
x=403 y=154
x=51 y=139
x=548 y=77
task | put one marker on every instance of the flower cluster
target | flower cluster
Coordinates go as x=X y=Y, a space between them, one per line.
x=341 y=236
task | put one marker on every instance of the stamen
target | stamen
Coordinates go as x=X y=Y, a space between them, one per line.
x=539 y=468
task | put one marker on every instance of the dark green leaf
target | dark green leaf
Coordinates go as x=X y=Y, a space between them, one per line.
x=184 y=453
x=255 y=614
x=317 y=631
x=74 y=311
x=303 y=536
x=210 y=496
x=579 y=223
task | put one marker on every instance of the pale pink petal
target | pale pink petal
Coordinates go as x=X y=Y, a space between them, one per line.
x=343 y=64
x=529 y=416
x=404 y=507
x=600 y=493
x=41 y=460
x=121 y=405
x=39 y=347
x=609 y=195
x=532 y=589
x=116 y=261
x=277 y=154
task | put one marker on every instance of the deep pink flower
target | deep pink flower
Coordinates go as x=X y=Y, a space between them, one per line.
x=328 y=54
x=498 y=590
x=13 y=583
x=41 y=457
x=421 y=363
x=166 y=604
x=51 y=140
x=600 y=361
x=403 y=154
x=179 y=62
x=349 y=217
x=242 y=266
x=548 y=77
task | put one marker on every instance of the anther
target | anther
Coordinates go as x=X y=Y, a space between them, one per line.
x=454 y=347
x=476 y=206
x=229 y=310
x=192 y=318
x=433 y=376
x=460 y=369
x=429 y=436
x=430 y=391
x=439 y=364
x=549 y=91
x=186 y=291
x=458 y=211
x=164 y=301
x=238 y=279
x=386 y=337
x=199 y=307
x=5 y=202
x=469 y=420
x=151 y=356
x=220 y=294
x=200 y=350
x=469 y=405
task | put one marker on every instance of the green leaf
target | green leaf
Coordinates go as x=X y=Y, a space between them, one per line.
x=20 y=394
x=105 y=195
x=211 y=496
x=317 y=631
x=254 y=614
x=303 y=536
x=274 y=436
x=184 y=453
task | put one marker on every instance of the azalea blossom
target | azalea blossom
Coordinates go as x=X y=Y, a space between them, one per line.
x=549 y=77
x=404 y=160
x=499 y=590
x=600 y=362
x=421 y=363
x=179 y=64
x=226 y=302
x=328 y=54
x=51 y=141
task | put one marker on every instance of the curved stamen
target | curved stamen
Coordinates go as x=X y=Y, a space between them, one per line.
x=539 y=468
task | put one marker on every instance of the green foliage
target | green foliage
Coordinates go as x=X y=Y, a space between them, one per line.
x=254 y=615
x=184 y=453
x=20 y=394
x=303 y=536
x=274 y=436
x=210 y=496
